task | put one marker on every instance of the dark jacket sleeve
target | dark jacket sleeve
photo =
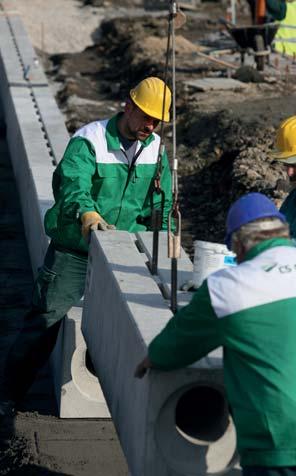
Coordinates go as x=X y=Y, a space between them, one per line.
x=276 y=9
x=288 y=208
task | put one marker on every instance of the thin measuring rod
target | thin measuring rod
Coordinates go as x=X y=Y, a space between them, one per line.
x=157 y=187
x=174 y=262
x=175 y=161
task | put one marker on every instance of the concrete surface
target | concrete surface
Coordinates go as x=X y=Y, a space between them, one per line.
x=184 y=264
x=169 y=424
x=36 y=442
x=80 y=395
x=36 y=136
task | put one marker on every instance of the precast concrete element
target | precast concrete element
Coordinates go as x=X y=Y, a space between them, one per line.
x=169 y=423
x=81 y=395
x=37 y=138
x=32 y=158
x=185 y=270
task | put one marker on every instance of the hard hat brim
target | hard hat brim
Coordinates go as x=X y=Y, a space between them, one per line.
x=284 y=157
x=149 y=112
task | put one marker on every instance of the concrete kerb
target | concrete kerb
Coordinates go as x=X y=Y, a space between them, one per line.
x=145 y=241
x=37 y=137
x=169 y=424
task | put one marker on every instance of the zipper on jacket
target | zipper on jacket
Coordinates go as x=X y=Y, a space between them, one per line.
x=130 y=170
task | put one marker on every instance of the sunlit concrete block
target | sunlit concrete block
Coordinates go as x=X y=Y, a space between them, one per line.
x=36 y=136
x=32 y=172
x=184 y=264
x=169 y=424
x=77 y=389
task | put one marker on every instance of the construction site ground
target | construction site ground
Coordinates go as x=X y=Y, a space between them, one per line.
x=92 y=52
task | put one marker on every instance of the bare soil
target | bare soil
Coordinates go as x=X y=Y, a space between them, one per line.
x=224 y=138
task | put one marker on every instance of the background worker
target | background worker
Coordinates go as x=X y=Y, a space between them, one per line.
x=250 y=310
x=265 y=11
x=285 y=39
x=286 y=153
x=104 y=180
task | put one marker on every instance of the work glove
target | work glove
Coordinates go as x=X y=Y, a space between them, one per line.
x=93 y=221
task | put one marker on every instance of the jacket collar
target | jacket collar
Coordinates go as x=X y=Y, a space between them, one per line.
x=113 y=142
x=266 y=245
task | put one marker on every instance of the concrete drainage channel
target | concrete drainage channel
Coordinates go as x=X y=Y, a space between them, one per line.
x=168 y=424
x=36 y=136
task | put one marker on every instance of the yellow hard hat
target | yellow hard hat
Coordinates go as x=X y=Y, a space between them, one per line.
x=148 y=95
x=286 y=141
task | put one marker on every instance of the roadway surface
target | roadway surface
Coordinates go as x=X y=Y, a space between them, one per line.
x=36 y=441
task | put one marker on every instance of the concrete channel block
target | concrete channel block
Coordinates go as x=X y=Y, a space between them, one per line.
x=185 y=267
x=78 y=392
x=19 y=111
x=36 y=134
x=9 y=58
x=53 y=121
x=169 y=424
x=26 y=53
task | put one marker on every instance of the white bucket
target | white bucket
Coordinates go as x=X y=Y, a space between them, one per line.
x=208 y=258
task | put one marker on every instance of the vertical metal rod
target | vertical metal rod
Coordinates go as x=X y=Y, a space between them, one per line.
x=175 y=161
x=157 y=185
x=233 y=11
x=154 y=263
x=174 y=285
x=174 y=265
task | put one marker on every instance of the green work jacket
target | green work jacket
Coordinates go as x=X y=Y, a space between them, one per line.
x=95 y=175
x=250 y=310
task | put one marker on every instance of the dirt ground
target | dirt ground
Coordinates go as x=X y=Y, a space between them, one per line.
x=93 y=51
x=224 y=138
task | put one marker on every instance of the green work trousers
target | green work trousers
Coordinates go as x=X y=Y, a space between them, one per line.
x=59 y=286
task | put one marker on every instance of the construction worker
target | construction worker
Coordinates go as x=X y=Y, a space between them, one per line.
x=265 y=11
x=104 y=181
x=250 y=310
x=285 y=39
x=286 y=153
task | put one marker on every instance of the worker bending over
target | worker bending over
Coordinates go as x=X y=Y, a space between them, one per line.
x=250 y=310
x=104 y=181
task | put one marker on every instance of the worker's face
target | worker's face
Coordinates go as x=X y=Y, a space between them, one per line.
x=291 y=171
x=240 y=251
x=139 y=125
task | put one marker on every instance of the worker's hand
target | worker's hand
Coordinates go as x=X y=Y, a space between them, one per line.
x=93 y=221
x=143 y=367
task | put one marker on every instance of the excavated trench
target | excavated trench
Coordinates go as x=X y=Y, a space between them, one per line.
x=223 y=138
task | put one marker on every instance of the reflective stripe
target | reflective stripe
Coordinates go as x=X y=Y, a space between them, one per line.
x=285 y=41
x=292 y=40
x=95 y=133
x=235 y=289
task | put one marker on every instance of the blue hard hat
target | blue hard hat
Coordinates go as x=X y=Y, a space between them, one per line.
x=247 y=208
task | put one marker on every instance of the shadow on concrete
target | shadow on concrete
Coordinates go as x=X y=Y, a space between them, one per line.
x=33 y=470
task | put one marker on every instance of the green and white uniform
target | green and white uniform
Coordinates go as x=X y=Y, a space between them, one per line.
x=95 y=175
x=250 y=310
